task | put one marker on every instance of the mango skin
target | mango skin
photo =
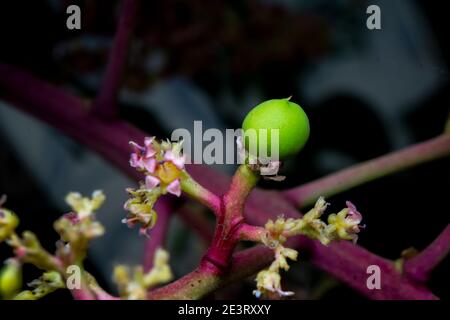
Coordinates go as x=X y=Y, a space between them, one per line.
x=284 y=115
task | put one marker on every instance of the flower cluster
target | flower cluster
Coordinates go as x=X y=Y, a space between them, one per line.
x=136 y=287
x=344 y=225
x=83 y=206
x=79 y=226
x=163 y=166
x=140 y=208
x=269 y=280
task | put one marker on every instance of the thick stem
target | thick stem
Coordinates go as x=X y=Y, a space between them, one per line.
x=205 y=280
x=242 y=184
x=359 y=174
x=230 y=218
x=420 y=266
x=350 y=264
x=105 y=104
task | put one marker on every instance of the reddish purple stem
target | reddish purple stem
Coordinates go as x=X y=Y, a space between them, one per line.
x=369 y=170
x=420 y=266
x=105 y=104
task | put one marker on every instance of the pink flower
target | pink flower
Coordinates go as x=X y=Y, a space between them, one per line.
x=143 y=157
x=353 y=218
x=163 y=164
x=174 y=188
x=151 y=182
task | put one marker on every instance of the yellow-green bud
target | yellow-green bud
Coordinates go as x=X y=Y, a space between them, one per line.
x=10 y=279
x=8 y=223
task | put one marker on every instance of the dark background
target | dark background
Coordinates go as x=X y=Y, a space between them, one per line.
x=235 y=54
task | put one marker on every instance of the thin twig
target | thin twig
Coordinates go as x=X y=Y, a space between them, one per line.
x=370 y=170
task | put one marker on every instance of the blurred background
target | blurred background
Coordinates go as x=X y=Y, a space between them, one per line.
x=367 y=92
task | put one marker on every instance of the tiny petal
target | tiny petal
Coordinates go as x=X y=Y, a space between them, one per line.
x=72 y=217
x=143 y=231
x=353 y=214
x=174 y=188
x=148 y=141
x=135 y=161
x=98 y=197
x=149 y=164
x=136 y=148
x=150 y=151
x=178 y=161
x=151 y=182
x=271 y=168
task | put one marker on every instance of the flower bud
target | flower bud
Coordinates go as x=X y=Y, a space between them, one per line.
x=10 y=279
x=8 y=223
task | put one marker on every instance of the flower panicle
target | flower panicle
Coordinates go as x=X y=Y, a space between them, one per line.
x=81 y=222
x=80 y=225
x=269 y=280
x=344 y=225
